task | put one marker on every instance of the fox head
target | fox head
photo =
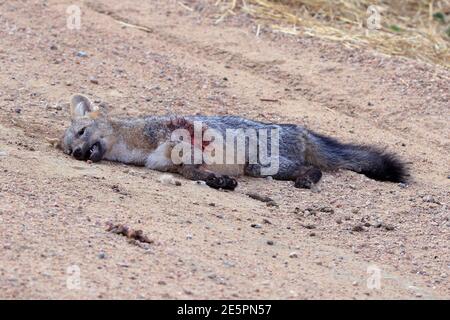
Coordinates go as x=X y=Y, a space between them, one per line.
x=88 y=136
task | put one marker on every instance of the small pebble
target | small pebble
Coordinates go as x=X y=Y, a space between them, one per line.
x=327 y=210
x=358 y=228
x=256 y=226
x=82 y=54
x=93 y=80
x=293 y=255
x=270 y=242
x=101 y=255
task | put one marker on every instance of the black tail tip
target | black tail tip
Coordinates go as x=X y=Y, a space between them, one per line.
x=389 y=168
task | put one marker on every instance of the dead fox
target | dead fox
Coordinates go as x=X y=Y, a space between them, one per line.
x=301 y=154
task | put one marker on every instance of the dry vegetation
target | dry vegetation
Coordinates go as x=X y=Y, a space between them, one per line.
x=419 y=29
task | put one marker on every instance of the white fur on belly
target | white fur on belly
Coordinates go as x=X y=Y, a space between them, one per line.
x=158 y=160
x=121 y=153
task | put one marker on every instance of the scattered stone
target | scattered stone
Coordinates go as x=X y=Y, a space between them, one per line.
x=188 y=292
x=53 y=47
x=403 y=185
x=266 y=221
x=18 y=110
x=229 y=264
x=82 y=54
x=102 y=255
x=338 y=220
x=293 y=255
x=93 y=80
x=429 y=198
x=389 y=227
x=211 y=204
x=128 y=232
x=162 y=283
x=259 y=197
x=327 y=210
x=378 y=224
x=309 y=226
x=118 y=190
x=358 y=228
x=256 y=226
x=312 y=234
x=270 y=242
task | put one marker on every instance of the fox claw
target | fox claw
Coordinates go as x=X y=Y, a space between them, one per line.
x=221 y=182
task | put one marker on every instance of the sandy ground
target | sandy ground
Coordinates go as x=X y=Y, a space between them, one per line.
x=324 y=243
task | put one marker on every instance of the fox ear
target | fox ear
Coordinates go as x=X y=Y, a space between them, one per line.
x=81 y=106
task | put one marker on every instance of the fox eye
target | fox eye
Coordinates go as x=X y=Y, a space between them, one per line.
x=81 y=132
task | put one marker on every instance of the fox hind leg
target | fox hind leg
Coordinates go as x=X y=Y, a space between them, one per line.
x=304 y=176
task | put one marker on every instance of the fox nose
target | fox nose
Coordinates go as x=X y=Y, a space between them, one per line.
x=78 y=154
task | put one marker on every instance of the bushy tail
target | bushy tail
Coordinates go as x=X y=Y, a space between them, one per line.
x=329 y=154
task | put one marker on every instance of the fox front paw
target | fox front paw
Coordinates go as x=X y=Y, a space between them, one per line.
x=308 y=179
x=221 y=182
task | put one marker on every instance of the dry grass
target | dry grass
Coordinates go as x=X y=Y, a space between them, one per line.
x=418 y=29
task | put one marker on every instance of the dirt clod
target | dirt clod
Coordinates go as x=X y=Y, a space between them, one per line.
x=128 y=232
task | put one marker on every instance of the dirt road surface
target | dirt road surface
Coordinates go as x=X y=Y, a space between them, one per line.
x=351 y=238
